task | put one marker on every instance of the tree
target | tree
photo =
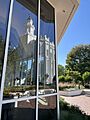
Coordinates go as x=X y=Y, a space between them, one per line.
x=1 y=51
x=75 y=76
x=79 y=59
x=61 y=78
x=60 y=70
x=13 y=59
x=68 y=78
x=86 y=77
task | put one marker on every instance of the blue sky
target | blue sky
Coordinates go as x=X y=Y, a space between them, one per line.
x=77 y=33
x=19 y=22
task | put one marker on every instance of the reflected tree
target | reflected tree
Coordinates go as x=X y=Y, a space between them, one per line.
x=1 y=54
x=13 y=56
x=1 y=51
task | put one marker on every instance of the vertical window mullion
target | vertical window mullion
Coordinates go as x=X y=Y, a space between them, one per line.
x=6 y=54
x=56 y=68
x=37 y=86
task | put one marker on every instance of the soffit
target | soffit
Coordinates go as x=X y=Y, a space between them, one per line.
x=65 y=10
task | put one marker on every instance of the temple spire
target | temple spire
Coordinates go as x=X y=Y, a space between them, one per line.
x=30 y=29
x=30 y=26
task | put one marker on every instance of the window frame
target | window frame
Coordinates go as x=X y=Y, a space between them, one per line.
x=37 y=64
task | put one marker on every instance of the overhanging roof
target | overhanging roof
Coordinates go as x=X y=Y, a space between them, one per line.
x=65 y=10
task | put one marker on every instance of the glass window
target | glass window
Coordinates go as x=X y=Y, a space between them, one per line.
x=47 y=75
x=4 y=7
x=20 y=77
x=47 y=108
x=22 y=110
x=21 y=70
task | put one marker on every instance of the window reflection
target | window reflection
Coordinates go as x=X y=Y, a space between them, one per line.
x=47 y=78
x=4 y=7
x=47 y=108
x=21 y=66
x=20 y=77
x=22 y=110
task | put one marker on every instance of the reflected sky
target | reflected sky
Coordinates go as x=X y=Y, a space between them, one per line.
x=19 y=21
x=20 y=17
x=4 y=5
x=47 y=29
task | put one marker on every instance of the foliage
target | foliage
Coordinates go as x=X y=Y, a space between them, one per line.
x=68 y=78
x=1 y=51
x=13 y=65
x=60 y=70
x=66 y=87
x=79 y=59
x=71 y=112
x=18 y=88
x=61 y=78
x=86 y=77
x=73 y=76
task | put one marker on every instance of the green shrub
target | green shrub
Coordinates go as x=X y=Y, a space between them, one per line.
x=61 y=78
x=65 y=87
x=86 y=77
x=68 y=112
x=68 y=78
x=18 y=88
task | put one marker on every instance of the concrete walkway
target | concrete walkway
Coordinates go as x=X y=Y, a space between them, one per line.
x=82 y=101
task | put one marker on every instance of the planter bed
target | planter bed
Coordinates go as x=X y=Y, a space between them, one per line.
x=71 y=92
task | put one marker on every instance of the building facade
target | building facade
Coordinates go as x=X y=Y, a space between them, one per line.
x=29 y=33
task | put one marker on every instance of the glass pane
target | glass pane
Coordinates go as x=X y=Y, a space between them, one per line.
x=47 y=108
x=4 y=7
x=20 y=78
x=23 y=110
x=47 y=78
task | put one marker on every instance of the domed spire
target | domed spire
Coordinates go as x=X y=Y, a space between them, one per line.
x=29 y=20
x=30 y=26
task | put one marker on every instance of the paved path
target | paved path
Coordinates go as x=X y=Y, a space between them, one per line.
x=83 y=102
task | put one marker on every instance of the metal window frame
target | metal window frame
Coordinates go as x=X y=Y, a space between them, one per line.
x=37 y=73
x=56 y=66
x=37 y=83
x=6 y=54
